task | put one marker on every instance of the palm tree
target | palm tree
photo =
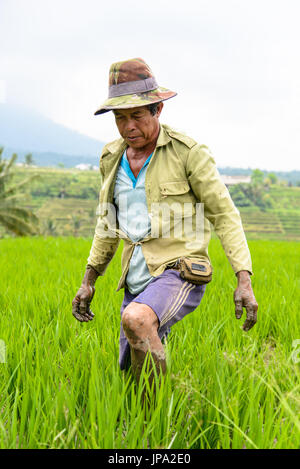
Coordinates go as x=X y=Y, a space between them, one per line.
x=28 y=159
x=50 y=228
x=76 y=224
x=15 y=218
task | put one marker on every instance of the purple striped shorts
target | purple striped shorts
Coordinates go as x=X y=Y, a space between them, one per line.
x=170 y=297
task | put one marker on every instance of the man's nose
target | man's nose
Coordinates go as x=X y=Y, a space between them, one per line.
x=129 y=125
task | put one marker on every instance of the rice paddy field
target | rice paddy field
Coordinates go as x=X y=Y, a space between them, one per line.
x=61 y=387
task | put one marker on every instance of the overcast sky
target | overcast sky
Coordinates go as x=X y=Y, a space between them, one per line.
x=234 y=63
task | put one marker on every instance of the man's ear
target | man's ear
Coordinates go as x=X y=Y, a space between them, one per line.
x=159 y=109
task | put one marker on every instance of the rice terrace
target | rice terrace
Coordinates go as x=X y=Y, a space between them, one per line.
x=61 y=386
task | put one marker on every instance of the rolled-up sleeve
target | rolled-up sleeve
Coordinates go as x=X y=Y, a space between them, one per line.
x=219 y=208
x=102 y=252
x=103 y=246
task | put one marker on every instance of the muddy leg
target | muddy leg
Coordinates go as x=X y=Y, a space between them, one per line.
x=140 y=326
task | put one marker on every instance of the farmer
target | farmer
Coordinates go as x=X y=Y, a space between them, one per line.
x=154 y=181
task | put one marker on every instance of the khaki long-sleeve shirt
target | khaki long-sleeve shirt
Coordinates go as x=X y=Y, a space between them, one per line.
x=184 y=195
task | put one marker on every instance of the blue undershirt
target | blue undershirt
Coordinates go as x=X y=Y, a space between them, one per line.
x=134 y=220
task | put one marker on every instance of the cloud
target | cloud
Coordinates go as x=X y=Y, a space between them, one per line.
x=234 y=64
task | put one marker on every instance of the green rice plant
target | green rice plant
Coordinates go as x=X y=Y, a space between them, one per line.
x=61 y=387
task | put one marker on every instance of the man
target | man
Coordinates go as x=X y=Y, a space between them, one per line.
x=165 y=267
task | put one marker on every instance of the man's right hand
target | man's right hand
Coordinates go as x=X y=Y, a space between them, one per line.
x=81 y=303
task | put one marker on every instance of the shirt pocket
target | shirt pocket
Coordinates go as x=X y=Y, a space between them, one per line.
x=178 y=195
x=173 y=188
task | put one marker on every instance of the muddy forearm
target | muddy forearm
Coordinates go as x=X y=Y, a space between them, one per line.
x=243 y=276
x=90 y=276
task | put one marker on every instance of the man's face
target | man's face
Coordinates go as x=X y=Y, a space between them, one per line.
x=137 y=125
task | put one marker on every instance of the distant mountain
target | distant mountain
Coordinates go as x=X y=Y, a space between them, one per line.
x=49 y=159
x=23 y=130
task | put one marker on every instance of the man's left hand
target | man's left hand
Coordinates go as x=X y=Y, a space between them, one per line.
x=244 y=297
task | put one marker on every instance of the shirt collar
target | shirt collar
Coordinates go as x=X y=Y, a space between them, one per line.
x=163 y=137
x=116 y=146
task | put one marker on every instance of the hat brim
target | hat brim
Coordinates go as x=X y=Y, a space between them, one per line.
x=135 y=100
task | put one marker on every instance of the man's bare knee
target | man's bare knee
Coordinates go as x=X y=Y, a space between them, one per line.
x=139 y=320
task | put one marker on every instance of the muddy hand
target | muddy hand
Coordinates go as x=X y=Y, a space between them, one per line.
x=81 y=304
x=244 y=298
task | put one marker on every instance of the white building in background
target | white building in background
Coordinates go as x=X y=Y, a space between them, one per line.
x=231 y=180
x=86 y=167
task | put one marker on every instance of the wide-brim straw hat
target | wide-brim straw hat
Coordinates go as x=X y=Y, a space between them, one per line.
x=132 y=84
